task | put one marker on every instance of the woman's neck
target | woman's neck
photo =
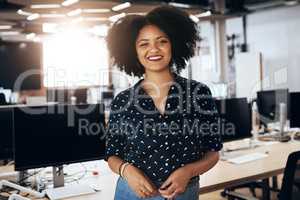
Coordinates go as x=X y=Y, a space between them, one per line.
x=159 y=79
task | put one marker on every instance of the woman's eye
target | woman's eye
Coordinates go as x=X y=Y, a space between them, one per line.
x=143 y=44
x=164 y=41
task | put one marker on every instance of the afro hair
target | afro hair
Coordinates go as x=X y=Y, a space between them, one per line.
x=175 y=23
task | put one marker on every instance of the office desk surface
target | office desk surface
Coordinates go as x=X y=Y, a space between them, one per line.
x=226 y=174
x=223 y=175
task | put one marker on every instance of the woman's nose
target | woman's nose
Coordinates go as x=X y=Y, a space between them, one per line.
x=154 y=48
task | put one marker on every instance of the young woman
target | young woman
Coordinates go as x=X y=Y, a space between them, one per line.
x=163 y=131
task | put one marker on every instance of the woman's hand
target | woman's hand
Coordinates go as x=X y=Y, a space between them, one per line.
x=176 y=183
x=178 y=180
x=139 y=182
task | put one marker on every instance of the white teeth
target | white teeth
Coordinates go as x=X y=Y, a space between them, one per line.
x=154 y=57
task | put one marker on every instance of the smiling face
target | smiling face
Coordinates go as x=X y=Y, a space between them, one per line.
x=154 y=49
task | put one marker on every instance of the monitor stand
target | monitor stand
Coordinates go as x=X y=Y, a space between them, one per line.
x=282 y=137
x=22 y=177
x=58 y=176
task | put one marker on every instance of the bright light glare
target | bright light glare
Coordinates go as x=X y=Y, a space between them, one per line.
x=74 y=59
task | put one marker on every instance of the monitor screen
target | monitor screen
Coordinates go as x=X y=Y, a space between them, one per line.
x=20 y=58
x=6 y=133
x=268 y=104
x=58 y=134
x=235 y=117
x=295 y=109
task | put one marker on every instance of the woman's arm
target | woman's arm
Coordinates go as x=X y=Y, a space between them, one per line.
x=201 y=166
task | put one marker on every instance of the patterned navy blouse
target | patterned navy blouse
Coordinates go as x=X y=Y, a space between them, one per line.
x=159 y=144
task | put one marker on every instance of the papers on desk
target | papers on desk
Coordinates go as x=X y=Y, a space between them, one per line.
x=247 y=158
x=246 y=144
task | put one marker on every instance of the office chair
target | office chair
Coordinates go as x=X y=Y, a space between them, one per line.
x=252 y=185
x=290 y=189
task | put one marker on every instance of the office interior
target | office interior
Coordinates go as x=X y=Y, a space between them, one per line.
x=55 y=76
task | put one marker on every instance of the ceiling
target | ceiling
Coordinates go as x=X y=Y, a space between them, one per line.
x=15 y=14
x=15 y=22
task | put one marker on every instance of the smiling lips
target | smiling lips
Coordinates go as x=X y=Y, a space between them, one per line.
x=154 y=58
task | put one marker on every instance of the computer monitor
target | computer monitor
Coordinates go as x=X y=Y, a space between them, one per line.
x=20 y=60
x=6 y=133
x=81 y=95
x=268 y=104
x=235 y=114
x=54 y=135
x=295 y=109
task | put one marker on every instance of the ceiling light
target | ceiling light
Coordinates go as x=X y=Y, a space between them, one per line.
x=69 y=2
x=74 y=12
x=30 y=36
x=204 y=14
x=194 y=18
x=21 y=12
x=41 y=6
x=50 y=15
x=95 y=18
x=33 y=17
x=179 y=5
x=115 y=18
x=136 y=13
x=5 y=27
x=49 y=27
x=5 y=33
x=121 y=6
x=290 y=2
x=100 y=10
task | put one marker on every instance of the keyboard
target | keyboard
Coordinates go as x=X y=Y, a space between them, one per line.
x=247 y=158
x=69 y=191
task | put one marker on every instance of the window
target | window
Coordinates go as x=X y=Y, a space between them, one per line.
x=75 y=59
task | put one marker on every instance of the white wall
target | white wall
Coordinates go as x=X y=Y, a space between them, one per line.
x=275 y=33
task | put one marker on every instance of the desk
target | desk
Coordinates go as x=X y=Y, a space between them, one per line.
x=223 y=175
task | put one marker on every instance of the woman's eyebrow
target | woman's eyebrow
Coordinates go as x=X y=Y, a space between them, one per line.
x=145 y=40
x=162 y=37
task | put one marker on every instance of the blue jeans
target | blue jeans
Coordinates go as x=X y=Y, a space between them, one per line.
x=124 y=192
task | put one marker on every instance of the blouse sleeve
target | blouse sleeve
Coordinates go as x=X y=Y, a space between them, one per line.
x=115 y=138
x=206 y=108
